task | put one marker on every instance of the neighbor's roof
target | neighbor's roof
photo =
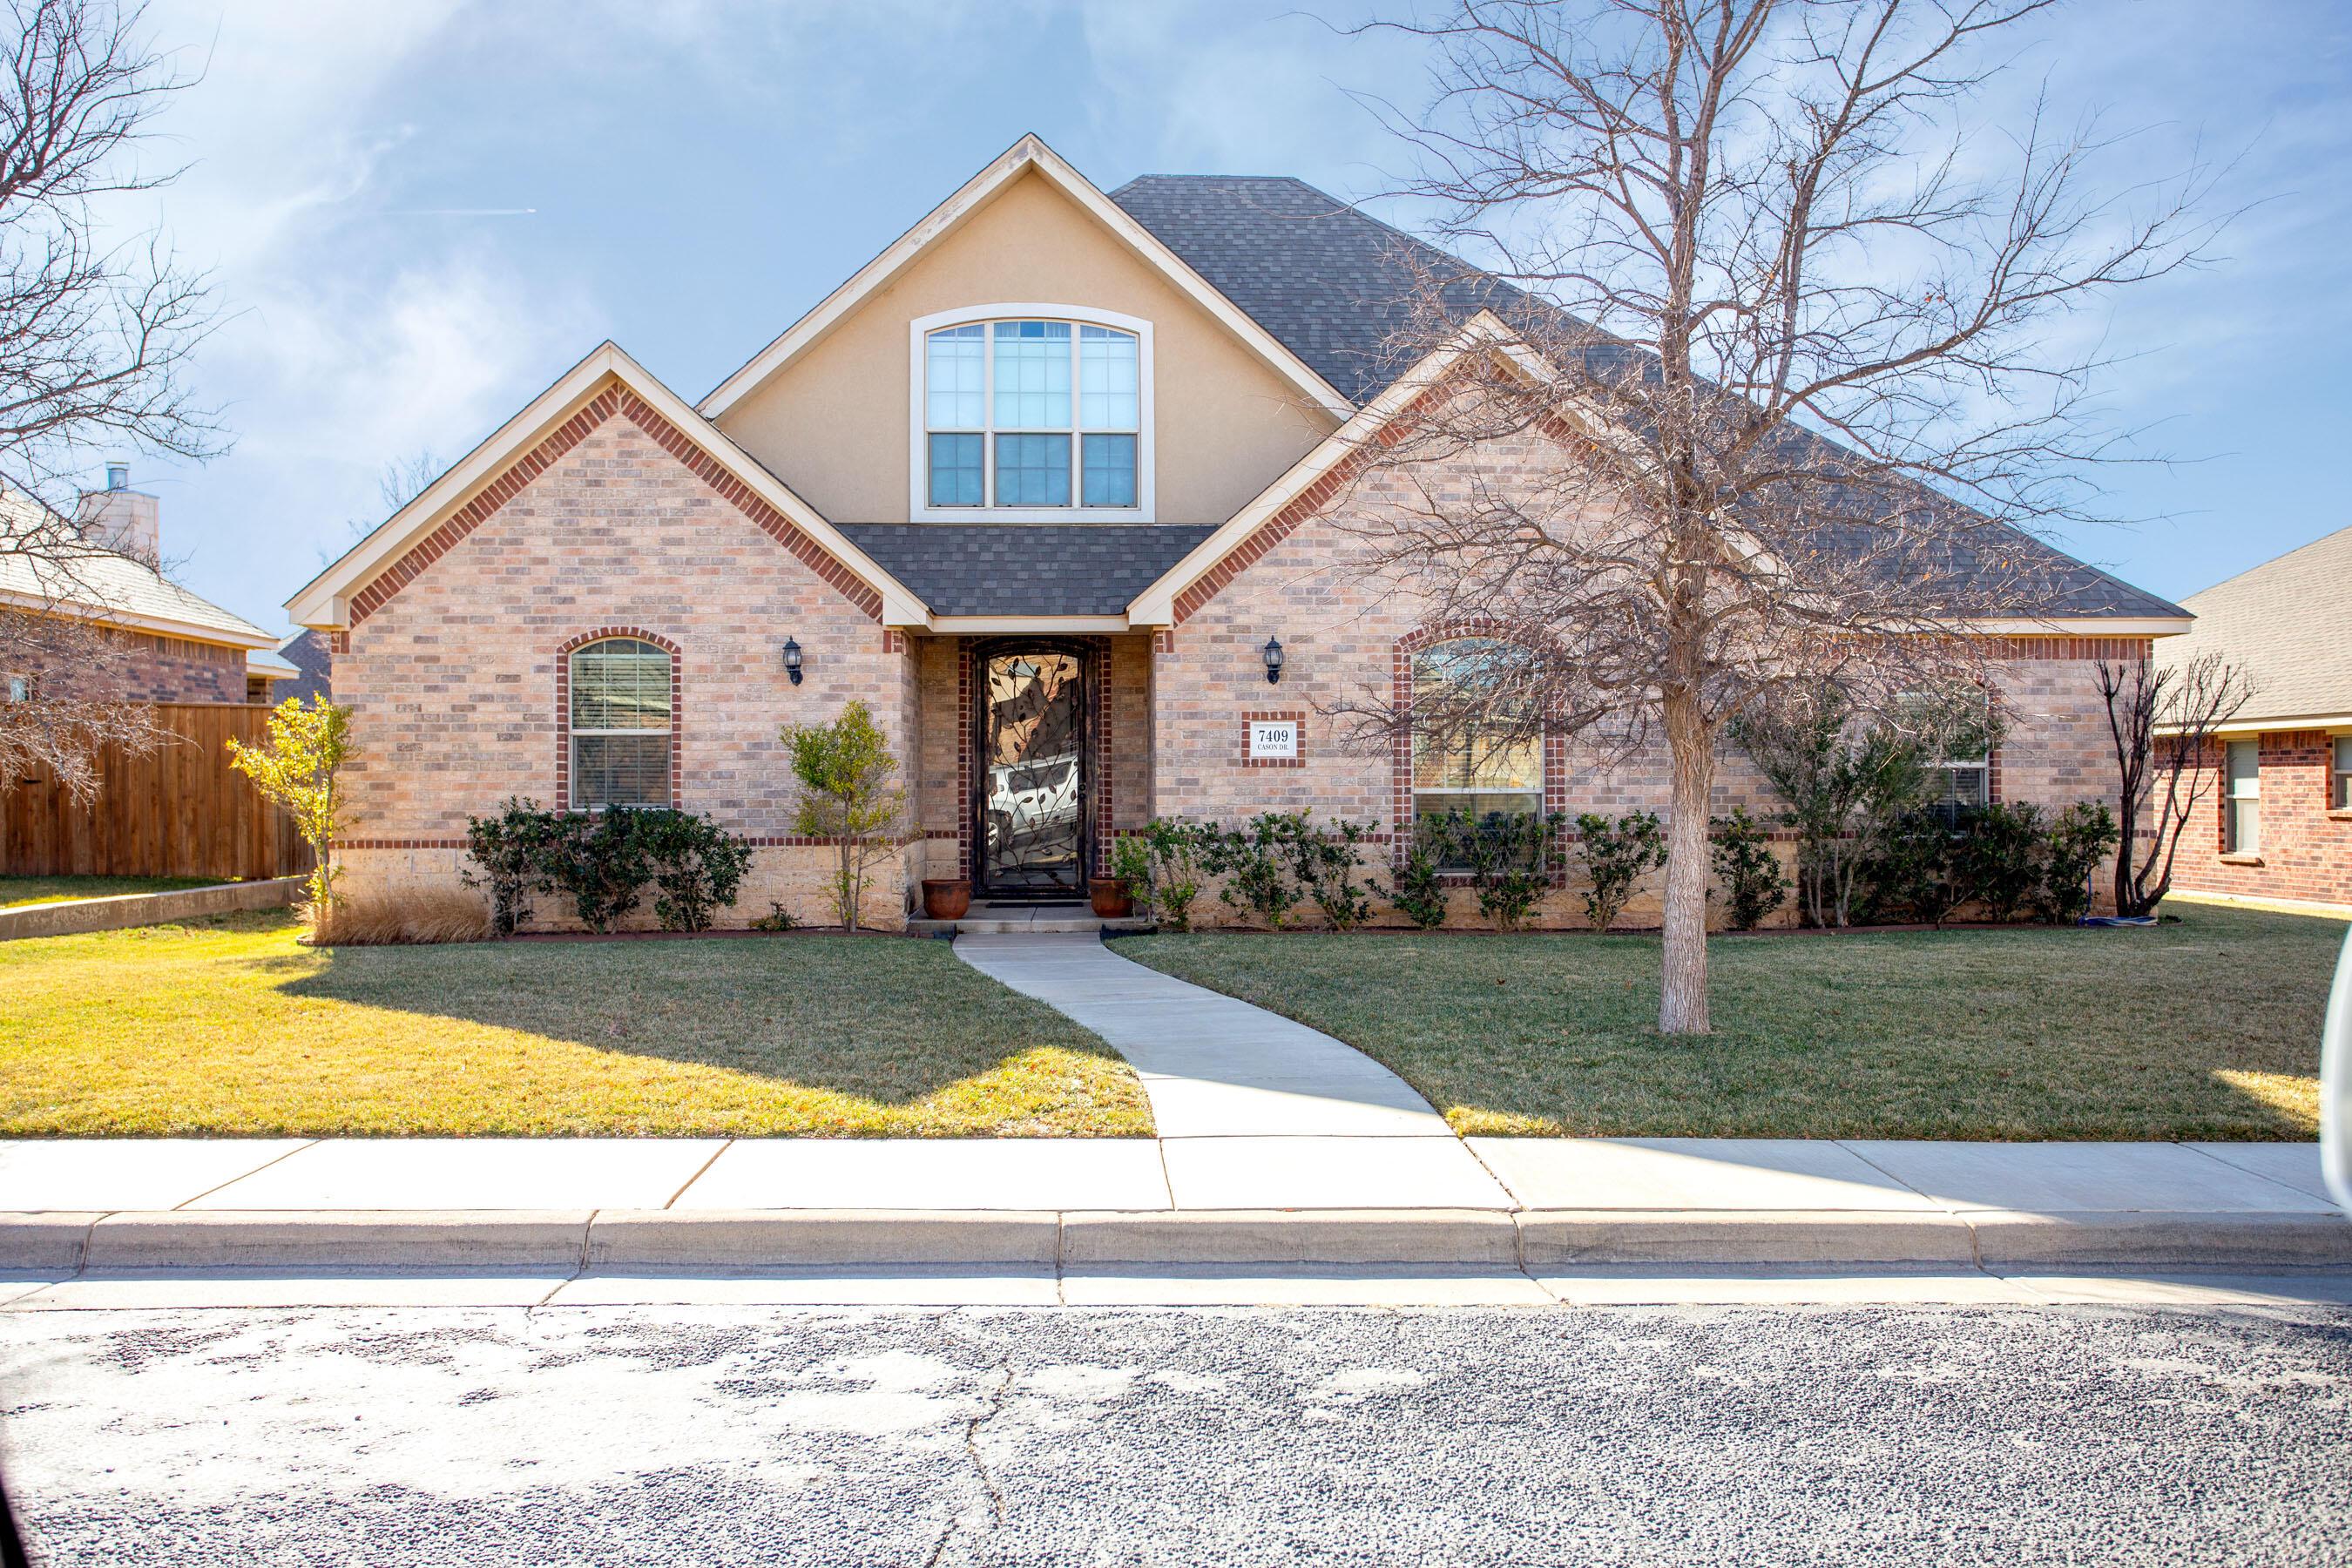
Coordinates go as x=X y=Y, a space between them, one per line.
x=261 y=661
x=1025 y=569
x=2288 y=623
x=109 y=588
x=1333 y=284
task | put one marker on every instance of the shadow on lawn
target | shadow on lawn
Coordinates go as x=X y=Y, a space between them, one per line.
x=888 y=1022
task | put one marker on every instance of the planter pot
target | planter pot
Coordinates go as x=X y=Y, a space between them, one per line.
x=1110 y=899
x=946 y=898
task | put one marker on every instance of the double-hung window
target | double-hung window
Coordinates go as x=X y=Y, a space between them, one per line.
x=2340 y=795
x=1031 y=416
x=1472 y=754
x=620 y=725
x=2241 y=804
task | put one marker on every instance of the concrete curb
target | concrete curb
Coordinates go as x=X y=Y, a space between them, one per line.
x=73 y=917
x=724 y=1239
x=1549 y=1237
x=570 y=1240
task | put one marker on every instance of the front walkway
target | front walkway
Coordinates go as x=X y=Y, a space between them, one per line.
x=1254 y=1110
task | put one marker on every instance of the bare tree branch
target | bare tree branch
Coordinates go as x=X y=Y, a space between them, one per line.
x=1764 y=410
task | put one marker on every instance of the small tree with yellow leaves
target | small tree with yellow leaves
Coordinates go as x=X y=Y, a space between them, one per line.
x=848 y=796
x=298 y=769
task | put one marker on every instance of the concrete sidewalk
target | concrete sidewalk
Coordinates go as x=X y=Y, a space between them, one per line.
x=1062 y=1205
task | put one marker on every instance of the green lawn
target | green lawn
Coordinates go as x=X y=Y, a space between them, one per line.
x=2208 y=1029
x=225 y=1025
x=17 y=891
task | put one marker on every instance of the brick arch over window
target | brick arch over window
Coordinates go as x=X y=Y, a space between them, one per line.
x=1555 y=740
x=563 y=705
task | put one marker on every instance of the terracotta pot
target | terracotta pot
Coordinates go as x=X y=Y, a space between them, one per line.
x=1110 y=899
x=946 y=898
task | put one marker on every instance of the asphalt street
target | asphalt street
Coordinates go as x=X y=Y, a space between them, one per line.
x=1682 y=1436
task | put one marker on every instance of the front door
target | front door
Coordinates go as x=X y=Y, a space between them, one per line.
x=1032 y=784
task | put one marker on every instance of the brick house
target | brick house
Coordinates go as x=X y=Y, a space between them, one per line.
x=1043 y=483
x=172 y=645
x=2275 y=816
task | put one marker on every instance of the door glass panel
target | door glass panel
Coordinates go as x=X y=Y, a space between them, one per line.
x=1031 y=789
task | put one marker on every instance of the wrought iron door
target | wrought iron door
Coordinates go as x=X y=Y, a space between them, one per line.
x=1032 y=781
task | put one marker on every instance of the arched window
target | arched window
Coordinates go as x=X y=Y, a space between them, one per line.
x=1030 y=416
x=1472 y=752
x=620 y=721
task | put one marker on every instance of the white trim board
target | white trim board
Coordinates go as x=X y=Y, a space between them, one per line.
x=1028 y=153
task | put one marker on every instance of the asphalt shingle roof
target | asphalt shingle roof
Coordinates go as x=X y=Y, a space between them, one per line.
x=1025 y=569
x=105 y=585
x=1332 y=282
x=2289 y=623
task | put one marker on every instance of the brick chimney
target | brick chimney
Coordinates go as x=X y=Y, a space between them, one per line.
x=122 y=519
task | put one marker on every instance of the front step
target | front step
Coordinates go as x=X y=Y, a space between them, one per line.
x=1043 y=924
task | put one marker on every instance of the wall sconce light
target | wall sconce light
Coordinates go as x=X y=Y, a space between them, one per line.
x=792 y=660
x=1272 y=653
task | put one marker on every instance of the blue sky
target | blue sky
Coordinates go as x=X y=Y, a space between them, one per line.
x=418 y=215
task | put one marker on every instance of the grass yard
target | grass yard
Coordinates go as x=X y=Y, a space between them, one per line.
x=225 y=1025
x=17 y=891
x=2208 y=1029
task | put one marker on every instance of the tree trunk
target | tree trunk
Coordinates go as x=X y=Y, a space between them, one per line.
x=1682 y=998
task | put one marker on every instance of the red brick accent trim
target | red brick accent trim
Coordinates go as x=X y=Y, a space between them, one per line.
x=1098 y=765
x=1295 y=715
x=613 y=400
x=564 y=708
x=1163 y=639
x=965 y=719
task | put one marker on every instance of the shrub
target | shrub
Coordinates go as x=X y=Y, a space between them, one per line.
x=1416 y=886
x=511 y=850
x=1130 y=862
x=848 y=797
x=1250 y=860
x=777 y=918
x=1176 y=850
x=1615 y=855
x=1753 y=883
x=2001 y=857
x=598 y=861
x=422 y=916
x=2079 y=839
x=1916 y=872
x=697 y=866
x=1325 y=861
x=1512 y=856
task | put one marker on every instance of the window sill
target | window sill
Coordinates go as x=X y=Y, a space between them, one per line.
x=2236 y=860
x=2341 y=813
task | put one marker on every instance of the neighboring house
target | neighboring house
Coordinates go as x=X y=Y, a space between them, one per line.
x=305 y=653
x=2275 y=819
x=170 y=645
x=1042 y=484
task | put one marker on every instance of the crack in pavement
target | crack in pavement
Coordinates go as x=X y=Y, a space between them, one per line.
x=989 y=1412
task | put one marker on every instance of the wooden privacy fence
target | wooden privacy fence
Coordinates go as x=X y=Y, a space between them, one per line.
x=176 y=810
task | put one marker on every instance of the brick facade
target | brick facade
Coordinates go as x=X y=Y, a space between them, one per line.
x=149 y=668
x=616 y=524
x=455 y=680
x=2305 y=852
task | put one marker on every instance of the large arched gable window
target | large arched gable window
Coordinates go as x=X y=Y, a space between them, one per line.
x=1031 y=413
x=619 y=703
x=1471 y=750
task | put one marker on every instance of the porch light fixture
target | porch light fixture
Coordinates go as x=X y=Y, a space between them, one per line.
x=792 y=660
x=1272 y=652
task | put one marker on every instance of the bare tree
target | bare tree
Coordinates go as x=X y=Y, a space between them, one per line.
x=2163 y=722
x=1753 y=398
x=400 y=481
x=94 y=345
